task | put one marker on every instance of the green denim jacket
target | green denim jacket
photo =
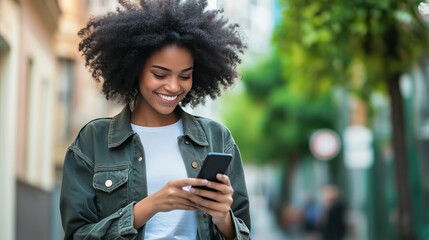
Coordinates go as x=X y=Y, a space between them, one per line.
x=104 y=175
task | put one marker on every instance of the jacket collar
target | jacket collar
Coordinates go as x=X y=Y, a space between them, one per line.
x=120 y=128
x=192 y=128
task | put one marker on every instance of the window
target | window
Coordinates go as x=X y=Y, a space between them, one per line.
x=65 y=96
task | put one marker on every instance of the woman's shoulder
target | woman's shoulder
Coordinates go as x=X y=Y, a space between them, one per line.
x=214 y=131
x=97 y=125
x=209 y=122
x=205 y=122
x=92 y=131
x=212 y=126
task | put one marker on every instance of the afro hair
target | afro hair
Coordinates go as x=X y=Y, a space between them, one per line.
x=116 y=45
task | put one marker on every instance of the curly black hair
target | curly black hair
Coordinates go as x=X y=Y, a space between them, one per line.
x=116 y=45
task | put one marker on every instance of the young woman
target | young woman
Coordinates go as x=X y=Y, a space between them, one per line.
x=126 y=177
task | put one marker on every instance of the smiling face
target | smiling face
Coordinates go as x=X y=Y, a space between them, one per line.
x=165 y=80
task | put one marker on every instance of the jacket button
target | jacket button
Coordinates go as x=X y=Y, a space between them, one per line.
x=194 y=165
x=187 y=141
x=108 y=183
x=140 y=159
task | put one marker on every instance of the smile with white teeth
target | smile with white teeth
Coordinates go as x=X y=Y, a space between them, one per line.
x=167 y=98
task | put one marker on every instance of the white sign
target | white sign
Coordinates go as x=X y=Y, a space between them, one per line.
x=324 y=144
x=358 y=151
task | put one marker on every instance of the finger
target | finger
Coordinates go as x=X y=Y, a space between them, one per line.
x=183 y=199
x=192 y=182
x=214 y=208
x=223 y=178
x=169 y=194
x=223 y=188
x=203 y=193
x=207 y=204
x=187 y=205
x=208 y=198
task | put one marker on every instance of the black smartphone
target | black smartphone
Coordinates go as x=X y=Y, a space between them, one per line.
x=213 y=164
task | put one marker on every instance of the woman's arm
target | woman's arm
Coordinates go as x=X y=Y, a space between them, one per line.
x=79 y=214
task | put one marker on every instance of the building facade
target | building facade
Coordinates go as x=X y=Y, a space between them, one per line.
x=46 y=95
x=9 y=55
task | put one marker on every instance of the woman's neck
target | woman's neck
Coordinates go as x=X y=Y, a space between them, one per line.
x=143 y=115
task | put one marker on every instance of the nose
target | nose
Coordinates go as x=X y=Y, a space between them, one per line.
x=173 y=85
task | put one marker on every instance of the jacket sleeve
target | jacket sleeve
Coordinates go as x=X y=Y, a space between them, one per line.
x=241 y=230
x=240 y=208
x=78 y=209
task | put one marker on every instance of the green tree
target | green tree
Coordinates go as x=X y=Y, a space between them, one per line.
x=272 y=122
x=365 y=45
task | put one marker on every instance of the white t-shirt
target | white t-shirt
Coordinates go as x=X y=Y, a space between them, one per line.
x=164 y=163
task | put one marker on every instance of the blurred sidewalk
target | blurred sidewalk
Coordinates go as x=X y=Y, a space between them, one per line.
x=264 y=226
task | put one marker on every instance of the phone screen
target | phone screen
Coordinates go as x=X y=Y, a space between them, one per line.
x=213 y=164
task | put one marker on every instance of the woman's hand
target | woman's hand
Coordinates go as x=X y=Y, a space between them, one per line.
x=217 y=203
x=170 y=197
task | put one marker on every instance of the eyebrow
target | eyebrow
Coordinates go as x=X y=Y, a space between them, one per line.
x=168 y=70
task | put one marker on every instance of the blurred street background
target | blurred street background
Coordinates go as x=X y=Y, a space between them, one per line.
x=331 y=114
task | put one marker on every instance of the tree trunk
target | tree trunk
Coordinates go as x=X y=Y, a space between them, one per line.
x=289 y=167
x=288 y=170
x=399 y=143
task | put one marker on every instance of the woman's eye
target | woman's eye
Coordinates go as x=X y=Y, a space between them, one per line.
x=159 y=76
x=185 y=77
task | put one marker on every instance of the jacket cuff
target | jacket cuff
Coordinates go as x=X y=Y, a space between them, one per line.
x=241 y=230
x=126 y=220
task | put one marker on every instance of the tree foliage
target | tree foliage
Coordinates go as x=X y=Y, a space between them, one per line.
x=364 y=45
x=272 y=120
x=355 y=43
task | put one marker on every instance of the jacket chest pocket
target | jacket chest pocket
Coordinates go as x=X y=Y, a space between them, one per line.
x=111 y=187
